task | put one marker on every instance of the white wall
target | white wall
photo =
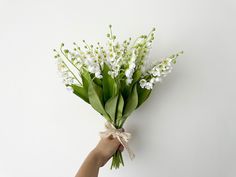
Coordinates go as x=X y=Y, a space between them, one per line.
x=186 y=128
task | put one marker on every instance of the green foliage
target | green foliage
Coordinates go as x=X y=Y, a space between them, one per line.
x=143 y=95
x=109 y=84
x=85 y=79
x=137 y=75
x=96 y=99
x=81 y=92
x=119 y=112
x=131 y=104
x=110 y=107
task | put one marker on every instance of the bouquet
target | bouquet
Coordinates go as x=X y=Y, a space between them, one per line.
x=115 y=79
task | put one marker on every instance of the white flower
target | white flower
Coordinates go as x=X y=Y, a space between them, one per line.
x=98 y=75
x=123 y=60
x=142 y=83
x=139 y=41
x=129 y=80
x=155 y=71
x=68 y=81
x=79 y=65
x=114 y=64
x=132 y=65
x=129 y=73
x=152 y=80
x=61 y=66
x=158 y=79
x=131 y=68
x=69 y=89
x=165 y=72
x=90 y=61
x=93 y=67
x=113 y=74
x=148 y=85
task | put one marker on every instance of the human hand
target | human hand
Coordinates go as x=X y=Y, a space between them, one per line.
x=105 y=149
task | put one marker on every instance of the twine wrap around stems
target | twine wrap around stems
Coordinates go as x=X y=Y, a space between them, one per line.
x=122 y=136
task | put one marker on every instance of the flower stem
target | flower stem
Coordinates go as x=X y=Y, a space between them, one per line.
x=72 y=73
x=117 y=160
x=68 y=59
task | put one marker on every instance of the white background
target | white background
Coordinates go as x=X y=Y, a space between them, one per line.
x=186 y=129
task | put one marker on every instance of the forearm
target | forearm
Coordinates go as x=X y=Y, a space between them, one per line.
x=90 y=166
x=99 y=156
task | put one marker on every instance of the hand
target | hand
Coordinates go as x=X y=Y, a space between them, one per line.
x=105 y=149
x=99 y=156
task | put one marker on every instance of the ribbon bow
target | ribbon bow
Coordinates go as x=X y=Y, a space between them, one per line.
x=123 y=137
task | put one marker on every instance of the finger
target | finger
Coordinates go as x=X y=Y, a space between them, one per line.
x=110 y=137
x=121 y=148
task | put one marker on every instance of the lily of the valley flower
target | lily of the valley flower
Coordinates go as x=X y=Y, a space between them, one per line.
x=122 y=59
x=131 y=68
x=93 y=67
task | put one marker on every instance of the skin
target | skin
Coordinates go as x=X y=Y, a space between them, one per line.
x=99 y=156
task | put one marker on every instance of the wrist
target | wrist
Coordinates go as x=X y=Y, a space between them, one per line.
x=95 y=155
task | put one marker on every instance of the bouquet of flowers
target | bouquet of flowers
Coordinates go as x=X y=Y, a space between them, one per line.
x=115 y=80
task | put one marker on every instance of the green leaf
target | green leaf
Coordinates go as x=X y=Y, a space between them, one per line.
x=85 y=79
x=136 y=76
x=96 y=99
x=98 y=81
x=110 y=107
x=132 y=102
x=143 y=94
x=126 y=89
x=81 y=92
x=109 y=84
x=119 y=111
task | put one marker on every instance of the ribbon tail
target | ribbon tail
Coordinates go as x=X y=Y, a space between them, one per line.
x=126 y=146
